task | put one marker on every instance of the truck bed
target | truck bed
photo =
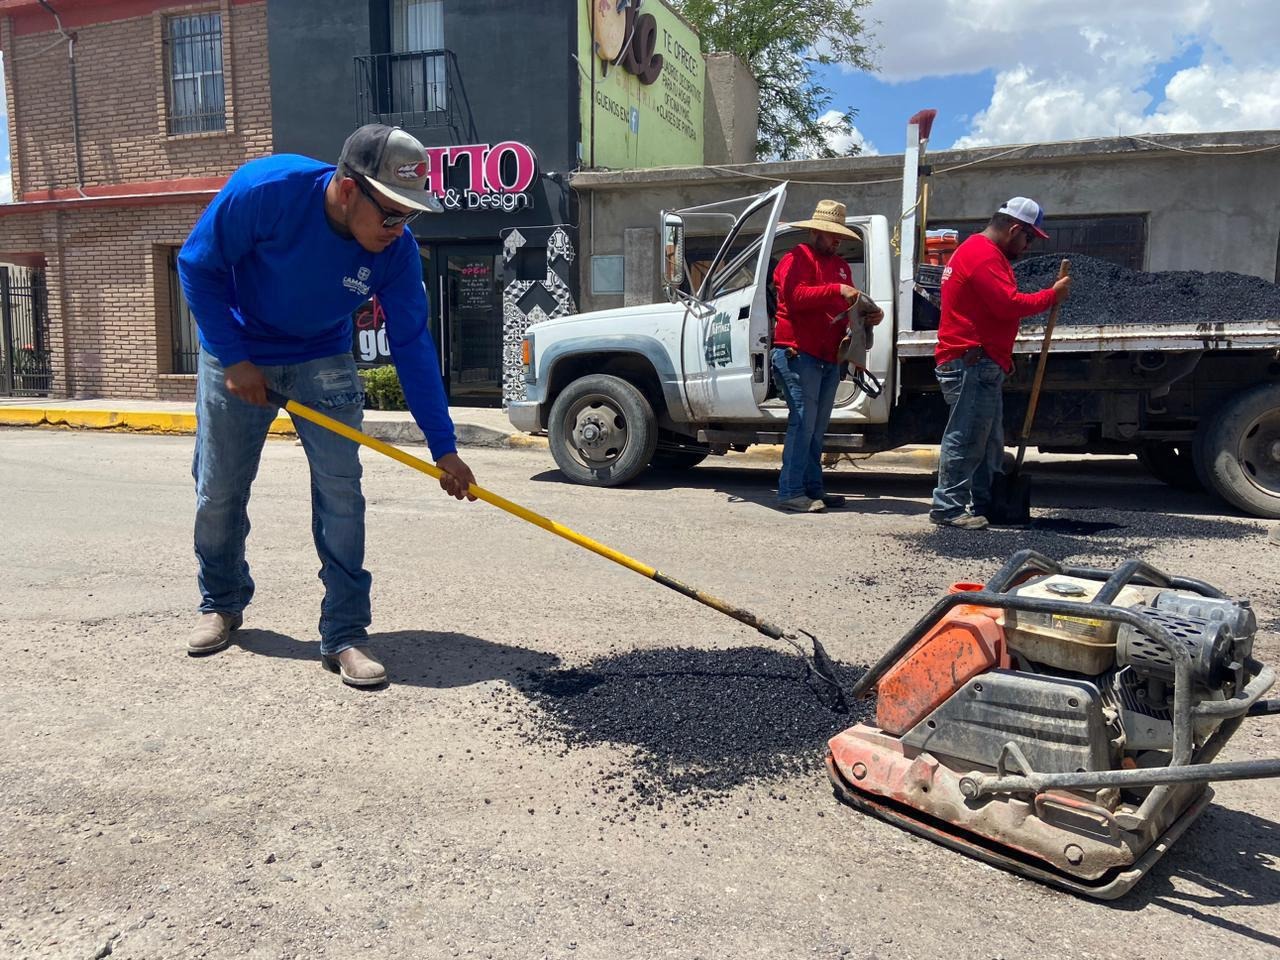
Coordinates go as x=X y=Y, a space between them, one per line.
x=1108 y=338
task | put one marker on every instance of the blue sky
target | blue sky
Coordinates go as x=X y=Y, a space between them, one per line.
x=1018 y=71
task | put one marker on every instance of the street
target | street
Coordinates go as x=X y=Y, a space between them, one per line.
x=249 y=805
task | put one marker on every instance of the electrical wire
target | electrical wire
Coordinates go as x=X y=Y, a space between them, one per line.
x=41 y=52
x=1204 y=153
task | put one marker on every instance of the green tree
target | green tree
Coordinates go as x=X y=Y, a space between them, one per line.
x=781 y=41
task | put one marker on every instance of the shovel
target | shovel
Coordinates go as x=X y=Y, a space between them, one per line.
x=820 y=670
x=1011 y=492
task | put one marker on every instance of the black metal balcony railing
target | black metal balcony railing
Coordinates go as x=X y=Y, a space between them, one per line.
x=410 y=89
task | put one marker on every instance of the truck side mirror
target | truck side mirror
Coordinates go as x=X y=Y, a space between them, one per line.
x=672 y=251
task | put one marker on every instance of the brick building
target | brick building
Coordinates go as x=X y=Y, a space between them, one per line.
x=117 y=149
x=169 y=99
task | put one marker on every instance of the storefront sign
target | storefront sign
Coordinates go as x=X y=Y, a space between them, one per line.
x=628 y=38
x=643 y=106
x=496 y=177
x=370 y=333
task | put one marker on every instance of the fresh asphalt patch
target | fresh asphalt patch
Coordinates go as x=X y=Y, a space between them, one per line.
x=694 y=724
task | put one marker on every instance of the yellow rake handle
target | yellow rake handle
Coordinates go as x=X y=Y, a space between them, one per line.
x=560 y=530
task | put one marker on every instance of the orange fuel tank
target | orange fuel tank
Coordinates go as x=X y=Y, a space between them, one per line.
x=966 y=643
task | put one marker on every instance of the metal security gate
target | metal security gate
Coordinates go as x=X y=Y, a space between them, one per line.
x=25 y=370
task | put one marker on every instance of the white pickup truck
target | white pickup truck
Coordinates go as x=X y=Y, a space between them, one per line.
x=665 y=385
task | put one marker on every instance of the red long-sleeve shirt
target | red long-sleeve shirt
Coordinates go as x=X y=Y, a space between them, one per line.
x=808 y=285
x=981 y=305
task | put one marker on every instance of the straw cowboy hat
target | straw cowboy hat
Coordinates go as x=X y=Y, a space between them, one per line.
x=829 y=218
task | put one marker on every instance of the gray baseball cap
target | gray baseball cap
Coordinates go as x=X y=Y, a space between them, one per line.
x=394 y=164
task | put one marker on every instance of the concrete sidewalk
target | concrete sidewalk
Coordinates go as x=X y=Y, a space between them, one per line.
x=475 y=426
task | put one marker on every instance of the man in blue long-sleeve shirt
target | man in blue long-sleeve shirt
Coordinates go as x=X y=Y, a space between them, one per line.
x=272 y=272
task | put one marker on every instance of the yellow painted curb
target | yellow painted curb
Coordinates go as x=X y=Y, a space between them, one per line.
x=524 y=440
x=140 y=421
x=21 y=416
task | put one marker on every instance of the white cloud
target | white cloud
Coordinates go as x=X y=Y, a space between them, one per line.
x=840 y=141
x=1027 y=108
x=1066 y=71
x=6 y=187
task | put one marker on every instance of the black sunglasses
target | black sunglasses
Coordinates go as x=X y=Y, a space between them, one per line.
x=390 y=218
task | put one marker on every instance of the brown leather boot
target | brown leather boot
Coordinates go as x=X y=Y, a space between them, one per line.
x=357 y=667
x=212 y=632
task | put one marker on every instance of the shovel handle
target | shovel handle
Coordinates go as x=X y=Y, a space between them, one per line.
x=1063 y=271
x=743 y=616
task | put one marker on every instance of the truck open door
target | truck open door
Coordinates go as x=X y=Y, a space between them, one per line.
x=724 y=340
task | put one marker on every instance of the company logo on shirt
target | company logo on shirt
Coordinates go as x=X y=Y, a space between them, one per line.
x=844 y=273
x=358 y=285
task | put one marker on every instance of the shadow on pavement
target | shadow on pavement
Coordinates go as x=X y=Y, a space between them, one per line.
x=867 y=492
x=1227 y=859
x=1099 y=486
x=418 y=658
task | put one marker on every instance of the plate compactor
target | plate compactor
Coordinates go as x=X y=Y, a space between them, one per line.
x=1059 y=722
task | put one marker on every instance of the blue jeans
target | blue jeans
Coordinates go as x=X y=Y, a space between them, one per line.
x=973 y=443
x=809 y=386
x=229 y=438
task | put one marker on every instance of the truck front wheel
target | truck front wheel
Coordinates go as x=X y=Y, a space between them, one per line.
x=602 y=431
x=1237 y=451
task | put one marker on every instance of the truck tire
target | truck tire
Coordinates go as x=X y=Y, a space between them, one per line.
x=1171 y=463
x=602 y=431
x=1237 y=451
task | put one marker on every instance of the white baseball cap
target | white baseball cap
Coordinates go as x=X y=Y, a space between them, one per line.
x=1028 y=211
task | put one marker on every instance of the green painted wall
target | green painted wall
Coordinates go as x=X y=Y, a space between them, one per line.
x=626 y=122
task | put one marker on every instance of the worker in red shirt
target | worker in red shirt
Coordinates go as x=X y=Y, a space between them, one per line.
x=981 y=310
x=814 y=294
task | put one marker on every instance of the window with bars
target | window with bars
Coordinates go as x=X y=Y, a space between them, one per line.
x=193 y=74
x=186 y=345
x=417 y=63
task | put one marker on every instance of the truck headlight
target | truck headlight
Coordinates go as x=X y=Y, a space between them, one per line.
x=526 y=359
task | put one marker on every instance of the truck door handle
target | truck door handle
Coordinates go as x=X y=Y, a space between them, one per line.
x=744 y=313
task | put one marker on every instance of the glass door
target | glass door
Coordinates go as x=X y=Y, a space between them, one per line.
x=472 y=281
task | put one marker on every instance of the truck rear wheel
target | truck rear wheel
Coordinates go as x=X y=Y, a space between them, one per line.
x=602 y=431
x=1171 y=463
x=1237 y=451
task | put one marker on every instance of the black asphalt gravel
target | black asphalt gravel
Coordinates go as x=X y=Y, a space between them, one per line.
x=1102 y=292
x=696 y=723
x=1106 y=541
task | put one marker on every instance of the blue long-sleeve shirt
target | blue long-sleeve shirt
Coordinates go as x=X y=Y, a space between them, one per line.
x=270 y=281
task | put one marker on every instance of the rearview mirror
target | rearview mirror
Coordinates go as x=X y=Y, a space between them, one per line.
x=672 y=251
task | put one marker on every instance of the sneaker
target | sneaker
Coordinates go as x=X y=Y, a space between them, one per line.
x=966 y=521
x=212 y=632
x=356 y=667
x=801 y=504
x=833 y=501
x=1274 y=536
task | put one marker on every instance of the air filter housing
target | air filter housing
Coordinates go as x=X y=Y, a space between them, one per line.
x=1208 y=642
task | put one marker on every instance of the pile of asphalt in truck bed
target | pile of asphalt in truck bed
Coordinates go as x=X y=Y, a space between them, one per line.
x=1104 y=293
x=699 y=722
